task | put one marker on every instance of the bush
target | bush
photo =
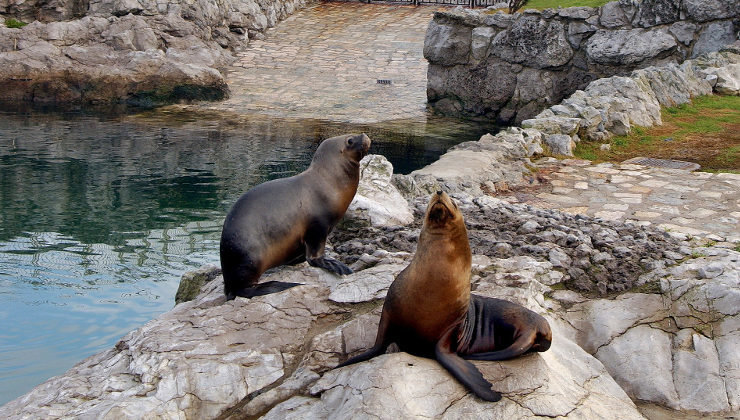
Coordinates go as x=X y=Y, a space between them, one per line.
x=515 y=5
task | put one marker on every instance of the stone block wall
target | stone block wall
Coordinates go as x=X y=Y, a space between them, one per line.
x=511 y=67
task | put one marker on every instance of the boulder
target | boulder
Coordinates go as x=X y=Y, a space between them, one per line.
x=533 y=42
x=671 y=348
x=656 y=12
x=715 y=36
x=706 y=10
x=447 y=44
x=629 y=46
x=563 y=382
x=377 y=200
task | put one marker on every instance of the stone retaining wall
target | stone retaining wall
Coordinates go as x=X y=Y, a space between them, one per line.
x=142 y=52
x=510 y=67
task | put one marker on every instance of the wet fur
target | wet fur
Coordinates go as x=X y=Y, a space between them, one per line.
x=430 y=312
x=286 y=221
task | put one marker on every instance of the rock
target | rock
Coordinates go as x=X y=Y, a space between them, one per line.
x=554 y=125
x=715 y=36
x=706 y=10
x=683 y=31
x=480 y=41
x=656 y=12
x=560 y=144
x=534 y=43
x=192 y=282
x=561 y=382
x=612 y=16
x=377 y=200
x=644 y=371
x=727 y=79
x=628 y=46
x=447 y=44
x=472 y=167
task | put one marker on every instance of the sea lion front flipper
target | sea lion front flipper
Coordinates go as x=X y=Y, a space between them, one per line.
x=381 y=343
x=462 y=370
x=518 y=347
x=315 y=240
x=329 y=264
x=265 y=288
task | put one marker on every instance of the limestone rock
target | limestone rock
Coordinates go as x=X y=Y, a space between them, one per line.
x=612 y=16
x=192 y=282
x=715 y=36
x=706 y=10
x=478 y=166
x=534 y=43
x=628 y=46
x=377 y=199
x=560 y=144
x=563 y=381
x=446 y=44
x=656 y=12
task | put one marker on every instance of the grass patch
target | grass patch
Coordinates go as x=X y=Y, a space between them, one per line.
x=12 y=23
x=705 y=131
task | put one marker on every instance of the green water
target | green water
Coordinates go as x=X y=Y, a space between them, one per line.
x=101 y=214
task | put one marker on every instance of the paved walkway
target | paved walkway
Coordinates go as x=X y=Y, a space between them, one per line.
x=324 y=62
x=686 y=204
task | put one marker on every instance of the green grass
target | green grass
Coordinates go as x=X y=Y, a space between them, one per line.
x=12 y=23
x=705 y=131
x=554 y=4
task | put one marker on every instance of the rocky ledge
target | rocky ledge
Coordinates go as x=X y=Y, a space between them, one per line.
x=638 y=316
x=140 y=52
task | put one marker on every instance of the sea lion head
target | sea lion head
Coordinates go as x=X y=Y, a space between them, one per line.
x=353 y=147
x=443 y=214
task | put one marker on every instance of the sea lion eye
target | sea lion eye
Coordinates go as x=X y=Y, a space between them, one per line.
x=350 y=141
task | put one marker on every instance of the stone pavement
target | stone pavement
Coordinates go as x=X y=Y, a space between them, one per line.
x=686 y=204
x=324 y=62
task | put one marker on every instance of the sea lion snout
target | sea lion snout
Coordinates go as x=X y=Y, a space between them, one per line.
x=359 y=144
x=442 y=209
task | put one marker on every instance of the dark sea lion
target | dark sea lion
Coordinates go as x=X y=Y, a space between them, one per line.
x=286 y=221
x=429 y=310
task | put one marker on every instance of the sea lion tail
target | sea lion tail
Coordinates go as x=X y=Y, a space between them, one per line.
x=462 y=370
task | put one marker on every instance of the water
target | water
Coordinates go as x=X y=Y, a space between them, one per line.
x=101 y=214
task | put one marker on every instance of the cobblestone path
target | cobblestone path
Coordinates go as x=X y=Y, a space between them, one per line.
x=325 y=61
x=686 y=204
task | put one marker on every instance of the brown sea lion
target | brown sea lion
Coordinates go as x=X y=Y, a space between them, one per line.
x=429 y=310
x=286 y=221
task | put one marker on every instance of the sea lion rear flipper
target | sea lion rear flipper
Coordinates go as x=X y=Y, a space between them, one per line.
x=265 y=288
x=518 y=347
x=462 y=370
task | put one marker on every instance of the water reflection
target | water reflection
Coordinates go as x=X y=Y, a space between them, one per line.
x=101 y=214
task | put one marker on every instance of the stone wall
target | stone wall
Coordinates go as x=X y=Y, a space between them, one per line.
x=142 y=52
x=510 y=67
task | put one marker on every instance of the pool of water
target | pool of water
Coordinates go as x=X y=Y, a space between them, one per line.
x=101 y=214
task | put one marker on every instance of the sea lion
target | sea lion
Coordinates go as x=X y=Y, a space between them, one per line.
x=286 y=221
x=429 y=310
